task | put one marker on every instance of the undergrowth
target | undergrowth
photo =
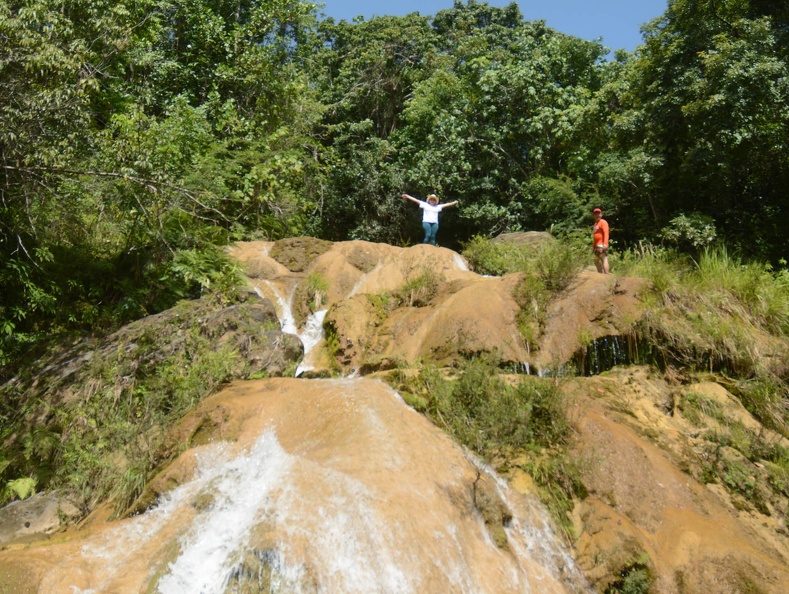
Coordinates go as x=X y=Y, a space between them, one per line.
x=547 y=268
x=555 y=263
x=499 y=420
x=752 y=464
x=421 y=283
x=107 y=433
x=718 y=313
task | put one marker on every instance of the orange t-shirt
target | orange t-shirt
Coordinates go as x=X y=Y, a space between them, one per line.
x=600 y=233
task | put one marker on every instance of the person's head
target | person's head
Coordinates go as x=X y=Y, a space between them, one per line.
x=432 y=199
x=598 y=214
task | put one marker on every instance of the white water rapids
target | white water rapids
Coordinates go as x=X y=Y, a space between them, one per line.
x=310 y=335
x=344 y=489
x=324 y=487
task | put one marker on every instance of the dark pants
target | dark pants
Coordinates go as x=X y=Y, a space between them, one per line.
x=430 y=232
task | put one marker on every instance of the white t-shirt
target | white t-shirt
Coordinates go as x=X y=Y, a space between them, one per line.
x=430 y=212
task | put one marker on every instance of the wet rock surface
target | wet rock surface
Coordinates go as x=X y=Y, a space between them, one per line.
x=654 y=513
x=377 y=316
x=325 y=485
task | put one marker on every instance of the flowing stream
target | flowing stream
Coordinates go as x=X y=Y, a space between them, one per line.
x=336 y=487
x=310 y=335
x=328 y=487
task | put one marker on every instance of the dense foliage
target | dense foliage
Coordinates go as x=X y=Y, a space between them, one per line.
x=138 y=136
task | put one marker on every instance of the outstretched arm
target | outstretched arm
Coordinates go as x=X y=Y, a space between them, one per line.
x=448 y=204
x=411 y=198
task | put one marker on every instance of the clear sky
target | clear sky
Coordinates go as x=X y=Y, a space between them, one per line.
x=617 y=22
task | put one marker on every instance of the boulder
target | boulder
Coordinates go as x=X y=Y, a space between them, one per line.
x=35 y=518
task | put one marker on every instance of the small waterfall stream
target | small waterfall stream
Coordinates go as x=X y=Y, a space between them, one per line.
x=286 y=318
x=312 y=333
x=459 y=262
x=238 y=491
x=310 y=338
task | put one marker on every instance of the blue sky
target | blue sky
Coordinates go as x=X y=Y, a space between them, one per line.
x=616 y=21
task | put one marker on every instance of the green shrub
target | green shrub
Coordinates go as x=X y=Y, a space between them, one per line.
x=532 y=297
x=420 y=286
x=20 y=488
x=317 y=287
x=206 y=271
x=497 y=258
x=488 y=414
x=493 y=417
x=694 y=231
x=635 y=581
x=557 y=264
x=778 y=474
x=558 y=479
x=662 y=267
x=477 y=386
x=634 y=578
x=763 y=294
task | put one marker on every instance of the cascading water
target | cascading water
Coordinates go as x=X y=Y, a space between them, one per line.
x=459 y=262
x=312 y=333
x=286 y=318
x=238 y=490
x=609 y=351
x=310 y=338
x=335 y=486
x=228 y=491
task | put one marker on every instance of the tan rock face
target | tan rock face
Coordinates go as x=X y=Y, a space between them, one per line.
x=643 y=506
x=337 y=486
x=330 y=486
x=375 y=324
x=595 y=305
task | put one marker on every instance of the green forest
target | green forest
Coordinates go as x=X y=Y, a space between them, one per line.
x=139 y=137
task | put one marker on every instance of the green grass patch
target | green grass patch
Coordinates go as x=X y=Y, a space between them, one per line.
x=720 y=314
x=555 y=263
x=106 y=434
x=497 y=419
x=421 y=285
x=317 y=287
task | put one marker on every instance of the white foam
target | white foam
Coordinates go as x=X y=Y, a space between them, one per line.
x=310 y=337
x=239 y=491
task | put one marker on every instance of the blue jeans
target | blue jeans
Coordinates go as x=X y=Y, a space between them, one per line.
x=430 y=232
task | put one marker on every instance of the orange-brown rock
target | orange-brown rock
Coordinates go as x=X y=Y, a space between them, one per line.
x=329 y=485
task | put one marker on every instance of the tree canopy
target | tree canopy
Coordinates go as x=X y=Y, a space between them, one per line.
x=138 y=136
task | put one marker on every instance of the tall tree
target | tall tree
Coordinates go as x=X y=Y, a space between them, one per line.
x=700 y=123
x=498 y=117
x=132 y=131
x=58 y=66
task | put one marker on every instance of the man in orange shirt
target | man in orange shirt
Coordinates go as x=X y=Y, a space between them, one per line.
x=600 y=242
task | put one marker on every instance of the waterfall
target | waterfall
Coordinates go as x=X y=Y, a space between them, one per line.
x=238 y=490
x=609 y=351
x=228 y=492
x=334 y=486
x=310 y=335
x=287 y=321
x=459 y=262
